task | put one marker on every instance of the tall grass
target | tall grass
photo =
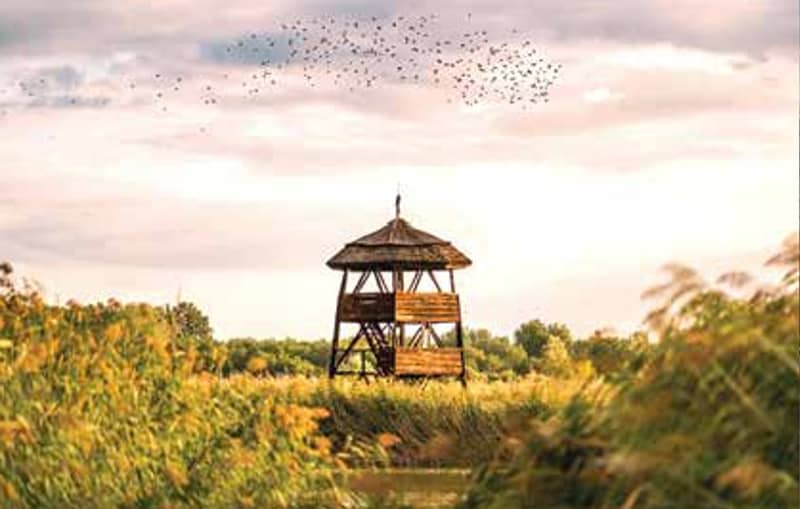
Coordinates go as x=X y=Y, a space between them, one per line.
x=98 y=408
x=710 y=422
x=439 y=424
x=104 y=406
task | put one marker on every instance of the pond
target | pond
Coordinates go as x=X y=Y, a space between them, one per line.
x=418 y=488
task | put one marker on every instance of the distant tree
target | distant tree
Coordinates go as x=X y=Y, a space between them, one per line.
x=193 y=333
x=555 y=359
x=617 y=358
x=281 y=357
x=5 y=275
x=532 y=336
x=493 y=357
x=189 y=321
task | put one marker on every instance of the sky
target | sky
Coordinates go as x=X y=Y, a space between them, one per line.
x=671 y=135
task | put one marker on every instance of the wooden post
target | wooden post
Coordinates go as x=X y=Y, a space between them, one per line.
x=459 y=334
x=460 y=344
x=401 y=287
x=335 y=342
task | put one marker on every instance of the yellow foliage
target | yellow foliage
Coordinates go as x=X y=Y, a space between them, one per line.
x=241 y=456
x=749 y=477
x=114 y=332
x=9 y=491
x=247 y=502
x=115 y=392
x=15 y=431
x=387 y=440
x=176 y=473
x=32 y=358
x=257 y=365
x=78 y=470
x=323 y=445
x=298 y=420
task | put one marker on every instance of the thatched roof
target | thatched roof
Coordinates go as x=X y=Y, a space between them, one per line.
x=399 y=246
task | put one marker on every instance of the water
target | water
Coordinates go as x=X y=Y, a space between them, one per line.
x=418 y=488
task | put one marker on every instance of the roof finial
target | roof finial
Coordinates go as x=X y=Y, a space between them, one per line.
x=397 y=203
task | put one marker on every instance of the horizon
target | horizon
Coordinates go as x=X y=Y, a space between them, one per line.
x=670 y=136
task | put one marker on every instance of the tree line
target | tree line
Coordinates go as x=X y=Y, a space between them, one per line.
x=536 y=346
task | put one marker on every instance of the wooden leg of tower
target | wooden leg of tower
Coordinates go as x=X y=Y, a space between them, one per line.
x=460 y=344
x=402 y=329
x=336 y=327
x=334 y=350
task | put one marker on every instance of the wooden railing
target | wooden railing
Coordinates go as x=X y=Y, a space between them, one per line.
x=428 y=362
x=427 y=307
x=408 y=362
x=400 y=307
x=367 y=307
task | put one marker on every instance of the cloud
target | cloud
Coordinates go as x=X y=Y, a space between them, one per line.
x=159 y=235
x=686 y=147
x=51 y=87
x=71 y=101
x=382 y=9
x=260 y=48
x=679 y=103
x=65 y=77
x=51 y=220
x=738 y=25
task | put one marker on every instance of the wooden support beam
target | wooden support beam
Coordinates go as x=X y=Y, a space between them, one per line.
x=415 y=281
x=452 y=282
x=417 y=337
x=368 y=337
x=337 y=323
x=363 y=374
x=349 y=348
x=361 y=281
x=435 y=282
x=384 y=288
x=377 y=334
x=383 y=330
x=372 y=341
x=435 y=336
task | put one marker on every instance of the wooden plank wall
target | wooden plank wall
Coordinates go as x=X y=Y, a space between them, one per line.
x=428 y=362
x=427 y=307
x=367 y=307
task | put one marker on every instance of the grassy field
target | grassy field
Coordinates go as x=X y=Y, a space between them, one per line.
x=111 y=405
x=441 y=424
x=105 y=405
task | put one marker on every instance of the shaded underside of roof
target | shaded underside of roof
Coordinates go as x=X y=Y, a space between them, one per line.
x=399 y=246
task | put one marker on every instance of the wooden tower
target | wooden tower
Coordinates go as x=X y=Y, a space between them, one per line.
x=396 y=322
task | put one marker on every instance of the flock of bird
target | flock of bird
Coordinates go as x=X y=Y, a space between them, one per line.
x=356 y=54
